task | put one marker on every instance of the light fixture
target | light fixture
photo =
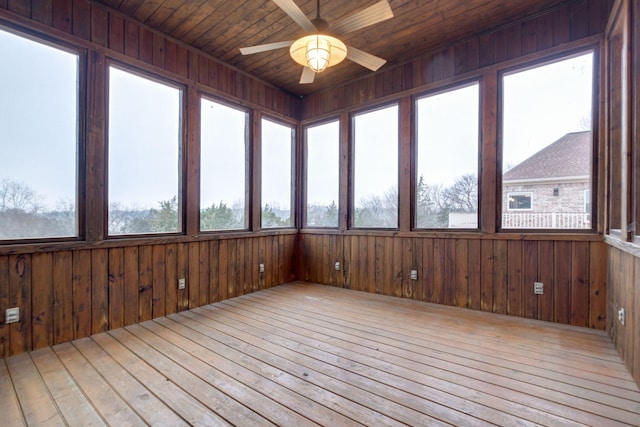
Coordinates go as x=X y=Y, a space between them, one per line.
x=318 y=51
x=321 y=48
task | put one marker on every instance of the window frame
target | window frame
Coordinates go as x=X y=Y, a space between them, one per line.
x=594 y=49
x=305 y=170
x=294 y=161
x=352 y=162
x=616 y=39
x=519 y=194
x=85 y=151
x=622 y=129
x=462 y=84
x=182 y=148
x=82 y=114
x=247 y=155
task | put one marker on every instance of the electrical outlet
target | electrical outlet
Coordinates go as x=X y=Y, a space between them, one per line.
x=261 y=268
x=413 y=274
x=621 y=315
x=538 y=288
x=182 y=283
x=337 y=266
x=12 y=315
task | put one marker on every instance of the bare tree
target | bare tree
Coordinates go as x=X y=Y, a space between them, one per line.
x=431 y=209
x=585 y=123
x=376 y=211
x=462 y=196
x=17 y=195
x=118 y=218
x=434 y=202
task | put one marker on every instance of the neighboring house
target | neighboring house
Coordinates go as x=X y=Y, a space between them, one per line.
x=551 y=189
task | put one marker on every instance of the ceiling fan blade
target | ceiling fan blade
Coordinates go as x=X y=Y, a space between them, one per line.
x=365 y=59
x=264 y=47
x=307 y=76
x=292 y=9
x=379 y=12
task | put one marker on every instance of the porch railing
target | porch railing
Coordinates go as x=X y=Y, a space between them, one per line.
x=562 y=220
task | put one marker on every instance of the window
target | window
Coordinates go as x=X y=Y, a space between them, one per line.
x=623 y=156
x=375 y=168
x=617 y=117
x=144 y=155
x=547 y=144
x=519 y=201
x=323 y=174
x=447 y=159
x=277 y=176
x=587 y=201
x=38 y=139
x=223 y=172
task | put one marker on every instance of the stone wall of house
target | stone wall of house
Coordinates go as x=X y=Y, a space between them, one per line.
x=564 y=210
x=570 y=196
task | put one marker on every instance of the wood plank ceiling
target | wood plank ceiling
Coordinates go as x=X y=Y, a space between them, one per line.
x=221 y=27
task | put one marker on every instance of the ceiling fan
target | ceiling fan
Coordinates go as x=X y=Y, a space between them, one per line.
x=321 y=49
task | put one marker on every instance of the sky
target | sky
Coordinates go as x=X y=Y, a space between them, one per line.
x=223 y=133
x=543 y=104
x=375 y=162
x=323 y=150
x=143 y=140
x=39 y=85
x=276 y=164
x=447 y=135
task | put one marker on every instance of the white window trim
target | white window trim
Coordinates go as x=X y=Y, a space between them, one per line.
x=586 y=196
x=520 y=193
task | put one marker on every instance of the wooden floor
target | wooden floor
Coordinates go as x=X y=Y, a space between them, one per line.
x=302 y=354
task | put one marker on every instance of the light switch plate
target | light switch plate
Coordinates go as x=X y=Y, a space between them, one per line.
x=12 y=315
x=538 y=288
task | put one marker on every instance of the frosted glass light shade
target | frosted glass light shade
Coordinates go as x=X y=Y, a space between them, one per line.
x=318 y=51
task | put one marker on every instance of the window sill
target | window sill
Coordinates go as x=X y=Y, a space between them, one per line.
x=121 y=242
x=589 y=236
x=632 y=248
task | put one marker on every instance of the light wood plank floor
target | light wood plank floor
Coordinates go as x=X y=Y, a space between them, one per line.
x=302 y=354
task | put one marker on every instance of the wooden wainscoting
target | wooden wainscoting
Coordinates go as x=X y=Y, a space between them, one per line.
x=68 y=294
x=624 y=287
x=302 y=354
x=481 y=274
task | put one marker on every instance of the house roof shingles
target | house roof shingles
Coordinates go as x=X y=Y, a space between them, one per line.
x=569 y=156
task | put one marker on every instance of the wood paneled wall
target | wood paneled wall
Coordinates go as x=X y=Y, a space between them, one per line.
x=623 y=200
x=68 y=294
x=575 y=21
x=624 y=288
x=83 y=289
x=494 y=275
x=109 y=32
x=70 y=290
x=490 y=271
